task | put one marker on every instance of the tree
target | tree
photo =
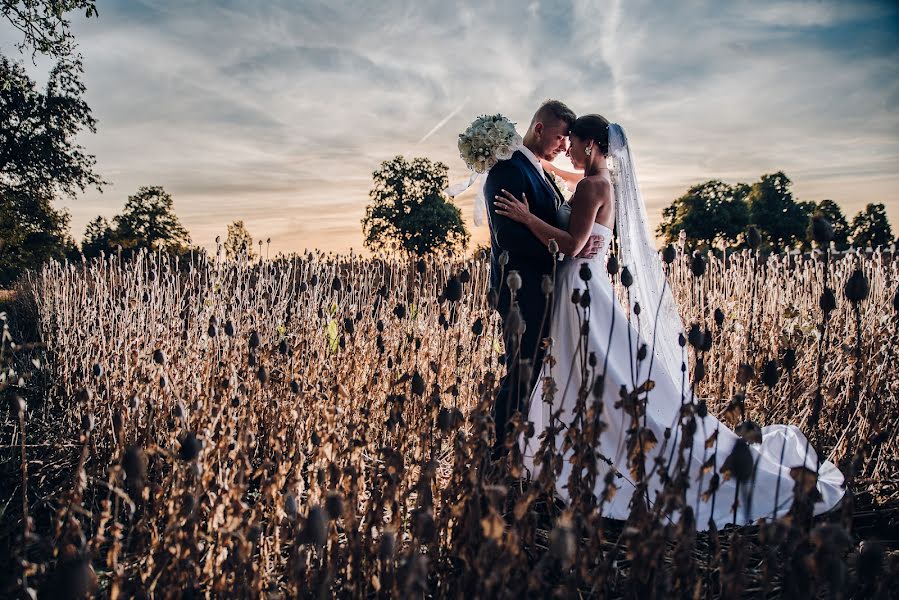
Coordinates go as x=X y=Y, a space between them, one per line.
x=31 y=232
x=871 y=227
x=39 y=158
x=43 y=23
x=831 y=211
x=98 y=237
x=708 y=212
x=239 y=241
x=776 y=214
x=38 y=151
x=409 y=210
x=149 y=221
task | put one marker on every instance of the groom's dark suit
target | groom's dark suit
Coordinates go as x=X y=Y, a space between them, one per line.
x=532 y=260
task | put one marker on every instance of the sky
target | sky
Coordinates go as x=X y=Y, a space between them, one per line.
x=277 y=112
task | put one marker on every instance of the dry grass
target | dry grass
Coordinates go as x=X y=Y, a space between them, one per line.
x=320 y=427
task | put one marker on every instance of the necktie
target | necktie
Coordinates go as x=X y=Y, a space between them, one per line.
x=552 y=183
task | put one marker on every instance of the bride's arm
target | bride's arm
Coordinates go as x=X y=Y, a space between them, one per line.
x=571 y=178
x=584 y=205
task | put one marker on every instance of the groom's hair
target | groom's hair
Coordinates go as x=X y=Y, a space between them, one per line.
x=553 y=109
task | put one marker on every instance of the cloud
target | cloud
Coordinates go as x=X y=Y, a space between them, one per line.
x=278 y=112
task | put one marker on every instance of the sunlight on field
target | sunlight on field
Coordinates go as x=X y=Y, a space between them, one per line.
x=320 y=426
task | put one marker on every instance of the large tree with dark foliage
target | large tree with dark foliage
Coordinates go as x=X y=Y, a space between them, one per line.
x=777 y=215
x=870 y=227
x=831 y=211
x=709 y=212
x=409 y=210
x=39 y=162
x=149 y=221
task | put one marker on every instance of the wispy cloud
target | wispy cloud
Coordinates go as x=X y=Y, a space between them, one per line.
x=277 y=113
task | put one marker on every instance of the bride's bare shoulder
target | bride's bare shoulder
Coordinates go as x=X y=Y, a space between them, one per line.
x=596 y=186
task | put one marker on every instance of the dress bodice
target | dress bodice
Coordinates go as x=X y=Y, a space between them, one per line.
x=563 y=217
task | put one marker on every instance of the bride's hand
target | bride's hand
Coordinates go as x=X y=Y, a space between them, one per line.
x=511 y=207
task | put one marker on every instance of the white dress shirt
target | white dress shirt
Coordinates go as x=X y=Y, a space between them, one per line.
x=534 y=160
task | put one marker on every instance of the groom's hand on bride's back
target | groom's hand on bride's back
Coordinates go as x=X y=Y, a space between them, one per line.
x=592 y=247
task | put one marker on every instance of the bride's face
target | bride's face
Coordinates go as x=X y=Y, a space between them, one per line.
x=577 y=151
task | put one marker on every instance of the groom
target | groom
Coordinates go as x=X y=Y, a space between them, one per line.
x=545 y=139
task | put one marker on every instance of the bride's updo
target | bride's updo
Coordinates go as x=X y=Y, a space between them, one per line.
x=592 y=127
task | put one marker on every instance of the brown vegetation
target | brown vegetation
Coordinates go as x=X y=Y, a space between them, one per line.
x=320 y=427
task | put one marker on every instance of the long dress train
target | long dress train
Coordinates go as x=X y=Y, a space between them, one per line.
x=615 y=345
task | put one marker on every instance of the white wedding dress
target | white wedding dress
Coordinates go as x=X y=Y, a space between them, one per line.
x=615 y=344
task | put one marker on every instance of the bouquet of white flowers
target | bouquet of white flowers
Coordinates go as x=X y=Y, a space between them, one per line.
x=488 y=140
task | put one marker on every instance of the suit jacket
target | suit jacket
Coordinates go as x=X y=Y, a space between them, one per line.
x=527 y=254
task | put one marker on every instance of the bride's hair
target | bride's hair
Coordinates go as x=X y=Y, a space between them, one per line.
x=592 y=127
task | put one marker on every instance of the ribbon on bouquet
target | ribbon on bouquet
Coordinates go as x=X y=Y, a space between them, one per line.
x=480 y=203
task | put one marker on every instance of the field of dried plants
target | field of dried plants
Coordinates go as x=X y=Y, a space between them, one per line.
x=320 y=427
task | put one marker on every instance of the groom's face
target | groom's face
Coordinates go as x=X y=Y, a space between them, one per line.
x=553 y=138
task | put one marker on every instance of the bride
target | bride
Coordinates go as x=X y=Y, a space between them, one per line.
x=593 y=337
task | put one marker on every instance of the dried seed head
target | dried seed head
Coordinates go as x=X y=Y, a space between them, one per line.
x=477 y=327
x=669 y=254
x=492 y=298
x=870 y=560
x=562 y=545
x=857 y=287
x=719 y=317
x=612 y=265
x=315 y=530
x=134 y=462
x=585 y=299
x=334 y=505
x=453 y=291
x=514 y=322
x=789 y=359
x=828 y=301
x=694 y=336
x=88 y=422
x=546 y=285
x=584 y=272
x=513 y=280
x=745 y=373
x=698 y=265
x=699 y=370
x=750 y=432
x=627 y=280
x=421 y=266
x=418 y=384
x=770 y=373
x=553 y=247
x=254 y=339
x=503 y=258
x=739 y=463
x=753 y=237
x=159 y=357
x=290 y=506
x=822 y=230
x=190 y=447
x=386 y=545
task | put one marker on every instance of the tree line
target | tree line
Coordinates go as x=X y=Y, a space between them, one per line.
x=715 y=214
x=41 y=162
